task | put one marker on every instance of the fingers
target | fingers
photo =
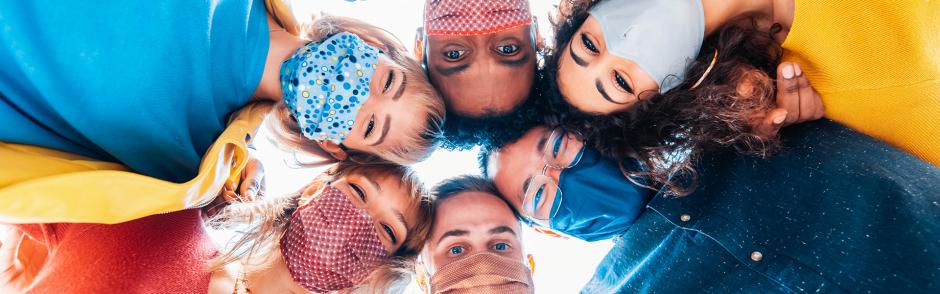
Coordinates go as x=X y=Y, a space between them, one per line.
x=808 y=96
x=820 y=108
x=797 y=95
x=788 y=91
x=230 y=196
x=772 y=123
x=252 y=185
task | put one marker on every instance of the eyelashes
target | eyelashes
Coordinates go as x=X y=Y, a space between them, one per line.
x=622 y=83
x=370 y=127
x=388 y=83
x=588 y=44
x=391 y=234
x=362 y=195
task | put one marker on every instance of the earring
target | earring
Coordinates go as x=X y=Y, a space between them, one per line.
x=531 y=260
x=419 y=52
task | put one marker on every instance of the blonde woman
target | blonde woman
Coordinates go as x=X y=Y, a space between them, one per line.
x=369 y=220
x=150 y=85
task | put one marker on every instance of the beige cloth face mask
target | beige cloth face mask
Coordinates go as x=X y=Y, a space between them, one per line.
x=483 y=273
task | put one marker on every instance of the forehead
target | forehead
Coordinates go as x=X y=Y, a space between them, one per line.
x=472 y=211
x=524 y=145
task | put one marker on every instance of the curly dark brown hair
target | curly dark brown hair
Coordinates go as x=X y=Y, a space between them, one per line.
x=667 y=131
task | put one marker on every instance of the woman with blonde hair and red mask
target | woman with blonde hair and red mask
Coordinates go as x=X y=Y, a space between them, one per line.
x=355 y=226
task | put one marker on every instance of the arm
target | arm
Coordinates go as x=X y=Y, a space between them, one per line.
x=21 y=256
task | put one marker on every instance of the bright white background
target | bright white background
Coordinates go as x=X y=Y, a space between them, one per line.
x=561 y=266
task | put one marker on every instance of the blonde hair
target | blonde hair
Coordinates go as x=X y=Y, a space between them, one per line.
x=262 y=223
x=418 y=144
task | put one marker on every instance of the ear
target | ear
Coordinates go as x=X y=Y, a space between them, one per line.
x=420 y=43
x=537 y=41
x=333 y=149
x=548 y=232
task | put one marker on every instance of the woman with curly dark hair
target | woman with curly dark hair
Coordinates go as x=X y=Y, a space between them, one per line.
x=678 y=76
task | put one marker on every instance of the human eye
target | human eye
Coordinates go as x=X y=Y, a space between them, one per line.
x=507 y=49
x=588 y=44
x=454 y=55
x=455 y=250
x=622 y=83
x=557 y=145
x=537 y=198
x=501 y=246
x=391 y=234
x=359 y=191
x=370 y=127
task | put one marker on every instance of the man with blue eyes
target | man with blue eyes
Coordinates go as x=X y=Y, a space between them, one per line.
x=474 y=244
x=481 y=55
x=556 y=183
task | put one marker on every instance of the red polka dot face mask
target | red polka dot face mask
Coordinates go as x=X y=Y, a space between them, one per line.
x=330 y=244
x=474 y=17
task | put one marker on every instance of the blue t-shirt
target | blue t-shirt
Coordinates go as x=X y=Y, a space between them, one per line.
x=145 y=83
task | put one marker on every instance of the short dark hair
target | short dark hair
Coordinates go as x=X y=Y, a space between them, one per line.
x=464 y=132
x=483 y=159
x=465 y=183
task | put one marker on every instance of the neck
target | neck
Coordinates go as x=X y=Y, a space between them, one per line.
x=274 y=278
x=281 y=46
x=719 y=13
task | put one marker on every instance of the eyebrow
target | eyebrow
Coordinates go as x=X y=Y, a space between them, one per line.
x=404 y=224
x=453 y=233
x=516 y=63
x=385 y=127
x=449 y=71
x=401 y=89
x=575 y=57
x=373 y=184
x=600 y=89
x=525 y=184
x=502 y=229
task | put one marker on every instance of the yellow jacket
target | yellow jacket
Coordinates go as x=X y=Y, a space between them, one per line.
x=40 y=185
x=876 y=65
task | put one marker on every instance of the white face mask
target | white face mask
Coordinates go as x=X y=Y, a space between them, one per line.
x=661 y=36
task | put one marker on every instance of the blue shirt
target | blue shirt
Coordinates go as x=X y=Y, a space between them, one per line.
x=836 y=211
x=145 y=83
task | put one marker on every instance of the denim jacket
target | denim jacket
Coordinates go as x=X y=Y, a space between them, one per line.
x=835 y=211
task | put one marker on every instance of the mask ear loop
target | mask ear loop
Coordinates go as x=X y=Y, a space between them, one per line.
x=707 y=70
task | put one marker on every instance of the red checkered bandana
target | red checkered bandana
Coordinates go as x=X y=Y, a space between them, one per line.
x=474 y=17
x=330 y=244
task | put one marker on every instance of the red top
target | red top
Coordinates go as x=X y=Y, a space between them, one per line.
x=163 y=253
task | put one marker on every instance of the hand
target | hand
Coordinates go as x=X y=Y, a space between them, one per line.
x=251 y=185
x=797 y=101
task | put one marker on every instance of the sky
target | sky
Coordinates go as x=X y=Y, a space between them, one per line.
x=561 y=265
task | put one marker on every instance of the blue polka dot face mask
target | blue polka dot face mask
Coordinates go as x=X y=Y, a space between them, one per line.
x=325 y=83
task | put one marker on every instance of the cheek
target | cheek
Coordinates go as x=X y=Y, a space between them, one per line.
x=567 y=80
x=440 y=259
